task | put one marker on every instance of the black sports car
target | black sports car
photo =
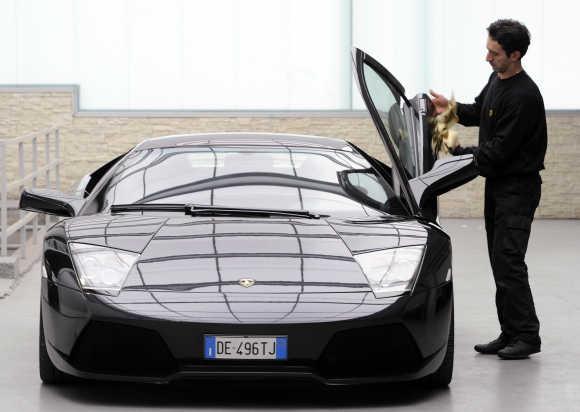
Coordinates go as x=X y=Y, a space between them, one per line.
x=256 y=255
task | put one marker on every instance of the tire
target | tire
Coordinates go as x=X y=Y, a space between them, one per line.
x=49 y=374
x=441 y=378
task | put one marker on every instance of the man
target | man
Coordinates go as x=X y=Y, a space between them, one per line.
x=512 y=143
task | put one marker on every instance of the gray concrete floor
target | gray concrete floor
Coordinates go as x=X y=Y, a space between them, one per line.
x=549 y=381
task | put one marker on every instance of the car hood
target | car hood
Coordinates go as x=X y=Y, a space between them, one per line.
x=296 y=270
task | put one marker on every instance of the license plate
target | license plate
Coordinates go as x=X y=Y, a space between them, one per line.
x=245 y=347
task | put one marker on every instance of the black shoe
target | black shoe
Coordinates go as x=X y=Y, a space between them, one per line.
x=518 y=350
x=492 y=347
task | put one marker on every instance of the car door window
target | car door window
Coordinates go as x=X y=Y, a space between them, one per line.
x=389 y=106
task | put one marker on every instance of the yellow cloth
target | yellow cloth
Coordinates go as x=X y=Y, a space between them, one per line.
x=443 y=137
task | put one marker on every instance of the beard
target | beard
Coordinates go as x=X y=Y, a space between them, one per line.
x=498 y=68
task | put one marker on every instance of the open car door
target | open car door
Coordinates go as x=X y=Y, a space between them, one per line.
x=403 y=127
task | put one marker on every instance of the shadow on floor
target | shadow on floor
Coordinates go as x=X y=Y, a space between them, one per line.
x=255 y=395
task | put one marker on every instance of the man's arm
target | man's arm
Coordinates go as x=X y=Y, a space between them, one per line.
x=510 y=134
x=469 y=114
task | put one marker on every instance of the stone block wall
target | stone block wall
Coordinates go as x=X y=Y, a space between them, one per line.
x=90 y=139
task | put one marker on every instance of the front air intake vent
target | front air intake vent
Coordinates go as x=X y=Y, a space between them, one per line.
x=371 y=351
x=114 y=348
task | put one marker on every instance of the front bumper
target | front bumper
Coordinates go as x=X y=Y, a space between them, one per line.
x=404 y=341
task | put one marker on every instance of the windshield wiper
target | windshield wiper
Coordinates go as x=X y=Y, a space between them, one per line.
x=209 y=210
x=377 y=219
x=159 y=207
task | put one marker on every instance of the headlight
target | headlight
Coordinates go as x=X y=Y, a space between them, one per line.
x=102 y=269
x=391 y=272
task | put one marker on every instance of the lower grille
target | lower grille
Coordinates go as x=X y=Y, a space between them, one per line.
x=112 y=348
x=105 y=347
x=370 y=351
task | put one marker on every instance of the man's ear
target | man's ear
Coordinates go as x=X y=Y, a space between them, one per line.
x=515 y=55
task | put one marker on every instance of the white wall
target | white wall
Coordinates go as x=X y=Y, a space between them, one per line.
x=440 y=44
x=182 y=54
x=272 y=54
x=393 y=32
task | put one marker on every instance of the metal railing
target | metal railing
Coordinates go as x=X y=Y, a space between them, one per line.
x=32 y=160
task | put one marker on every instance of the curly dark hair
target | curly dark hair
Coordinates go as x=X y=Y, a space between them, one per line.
x=511 y=35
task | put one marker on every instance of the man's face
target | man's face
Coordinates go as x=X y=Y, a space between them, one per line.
x=498 y=59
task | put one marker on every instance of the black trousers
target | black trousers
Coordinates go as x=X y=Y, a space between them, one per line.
x=510 y=203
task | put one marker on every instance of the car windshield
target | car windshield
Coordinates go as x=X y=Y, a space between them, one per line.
x=323 y=181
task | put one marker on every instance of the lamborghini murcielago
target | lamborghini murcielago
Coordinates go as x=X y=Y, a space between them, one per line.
x=256 y=255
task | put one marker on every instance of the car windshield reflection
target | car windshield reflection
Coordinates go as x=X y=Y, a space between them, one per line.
x=278 y=178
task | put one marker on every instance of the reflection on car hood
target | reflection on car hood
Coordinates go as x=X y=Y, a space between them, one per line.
x=127 y=232
x=253 y=270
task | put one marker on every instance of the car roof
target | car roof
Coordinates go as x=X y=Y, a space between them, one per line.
x=245 y=139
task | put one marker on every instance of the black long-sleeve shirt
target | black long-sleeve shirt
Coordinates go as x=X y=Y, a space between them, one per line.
x=512 y=127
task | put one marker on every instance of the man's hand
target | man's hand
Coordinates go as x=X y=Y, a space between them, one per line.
x=439 y=101
x=455 y=151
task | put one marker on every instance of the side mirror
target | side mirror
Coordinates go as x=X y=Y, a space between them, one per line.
x=50 y=201
x=446 y=175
